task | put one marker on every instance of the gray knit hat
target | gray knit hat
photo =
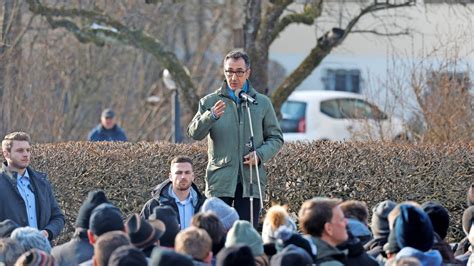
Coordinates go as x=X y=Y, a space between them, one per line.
x=242 y=232
x=226 y=214
x=380 y=213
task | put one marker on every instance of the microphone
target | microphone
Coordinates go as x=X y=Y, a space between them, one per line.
x=245 y=97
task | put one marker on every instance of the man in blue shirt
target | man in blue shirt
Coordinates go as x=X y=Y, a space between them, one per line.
x=107 y=130
x=179 y=192
x=27 y=197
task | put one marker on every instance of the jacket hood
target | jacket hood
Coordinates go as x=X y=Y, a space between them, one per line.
x=428 y=258
x=325 y=250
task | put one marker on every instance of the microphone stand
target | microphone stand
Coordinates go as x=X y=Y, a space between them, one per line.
x=251 y=143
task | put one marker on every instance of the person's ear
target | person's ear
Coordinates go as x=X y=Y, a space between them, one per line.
x=91 y=237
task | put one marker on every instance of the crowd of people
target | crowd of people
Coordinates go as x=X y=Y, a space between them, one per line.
x=331 y=232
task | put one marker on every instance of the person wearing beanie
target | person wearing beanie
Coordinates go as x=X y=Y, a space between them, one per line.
x=127 y=256
x=380 y=228
x=142 y=234
x=291 y=255
x=79 y=249
x=226 y=214
x=242 y=232
x=439 y=217
x=169 y=217
x=168 y=257
x=237 y=255
x=30 y=238
x=35 y=257
x=414 y=234
x=276 y=217
x=323 y=221
x=179 y=192
x=104 y=218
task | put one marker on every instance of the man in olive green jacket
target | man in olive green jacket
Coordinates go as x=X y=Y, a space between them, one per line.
x=222 y=116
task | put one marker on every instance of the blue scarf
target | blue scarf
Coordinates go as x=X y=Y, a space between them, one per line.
x=245 y=88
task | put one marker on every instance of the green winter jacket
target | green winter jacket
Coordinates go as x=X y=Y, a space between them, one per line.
x=227 y=139
x=326 y=254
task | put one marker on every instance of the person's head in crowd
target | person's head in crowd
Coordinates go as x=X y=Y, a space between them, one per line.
x=35 y=257
x=10 y=251
x=128 y=256
x=439 y=217
x=6 y=227
x=392 y=216
x=194 y=242
x=142 y=234
x=30 y=238
x=291 y=255
x=413 y=228
x=226 y=214
x=104 y=218
x=169 y=217
x=106 y=244
x=242 y=232
x=323 y=218
x=168 y=257
x=285 y=237
x=213 y=226
x=276 y=216
x=357 y=214
x=379 y=221
x=107 y=118
x=470 y=196
x=355 y=209
x=94 y=199
x=237 y=255
x=16 y=151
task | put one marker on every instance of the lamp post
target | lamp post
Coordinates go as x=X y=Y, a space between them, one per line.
x=171 y=85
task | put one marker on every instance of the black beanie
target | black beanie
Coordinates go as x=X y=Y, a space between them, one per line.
x=94 y=199
x=237 y=255
x=439 y=217
x=127 y=256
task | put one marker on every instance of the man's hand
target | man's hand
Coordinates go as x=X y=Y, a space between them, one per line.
x=250 y=160
x=218 y=108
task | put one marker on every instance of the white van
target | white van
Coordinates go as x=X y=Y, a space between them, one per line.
x=337 y=116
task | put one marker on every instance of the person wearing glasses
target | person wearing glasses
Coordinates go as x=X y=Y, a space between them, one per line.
x=223 y=119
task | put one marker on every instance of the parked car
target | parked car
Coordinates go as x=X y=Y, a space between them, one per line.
x=338 y=116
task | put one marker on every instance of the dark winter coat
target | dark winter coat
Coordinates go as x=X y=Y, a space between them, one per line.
x=161 y=196
x=77 y=250
x=99 y=133
x=12 y=206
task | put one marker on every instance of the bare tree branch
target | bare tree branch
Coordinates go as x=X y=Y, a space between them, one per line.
x=323 y=47
x=101 y=28
x=405 y=32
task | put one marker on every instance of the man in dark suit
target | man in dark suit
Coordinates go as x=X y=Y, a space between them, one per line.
x=27 y=197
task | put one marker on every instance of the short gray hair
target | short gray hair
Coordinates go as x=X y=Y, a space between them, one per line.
x=236 y=54
x=30 y=238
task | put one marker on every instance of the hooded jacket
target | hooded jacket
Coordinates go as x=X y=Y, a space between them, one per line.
x=161 y=196
x=227 y=139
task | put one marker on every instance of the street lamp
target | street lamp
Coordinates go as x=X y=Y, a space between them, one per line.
x=171 y=85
